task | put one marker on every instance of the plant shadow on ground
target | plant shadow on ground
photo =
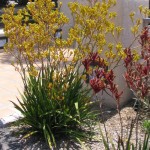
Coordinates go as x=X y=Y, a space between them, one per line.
x=11 y=137
x=108 y=113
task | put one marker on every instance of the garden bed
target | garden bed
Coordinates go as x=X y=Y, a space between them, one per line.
x=11 y=136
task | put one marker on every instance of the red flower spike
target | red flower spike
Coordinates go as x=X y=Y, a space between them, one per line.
x=99 y=73
x=118 y=95
x=145 y=70
x=128 y=60
x=86 y=63
x=144 y=37
x=109 y=76
x=94 y=56
x=144 y=91
x=97 y=85
x=103 y=79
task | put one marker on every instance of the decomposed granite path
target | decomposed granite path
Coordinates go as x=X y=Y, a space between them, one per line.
x=10 y=85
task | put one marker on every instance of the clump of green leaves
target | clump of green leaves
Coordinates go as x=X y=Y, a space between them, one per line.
x=146 y=125
x=56 y=105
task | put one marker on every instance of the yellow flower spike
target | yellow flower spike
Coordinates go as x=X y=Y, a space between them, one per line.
x=112 y=15
x=135 y=29
x=148 y=14
x=101 y=43
x=110 y=54
x=33 y=71
x=50 y=85
x=119 y=30
x=89 y=71
x=65 y=87
x=83 y=77
x=119 y=47
x=107 y=54
x=138 y=22
x=145 y=11
x=110 y=46
x=132 y=14
x=65 y=60
x=106 y=62
x=123 y=55
x=73 y=6
x=99 y=51
x=141 y=8
x=112 y=2
x=136 y=56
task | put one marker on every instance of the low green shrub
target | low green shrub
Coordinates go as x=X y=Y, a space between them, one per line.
x=146 y=126
x=56 y=105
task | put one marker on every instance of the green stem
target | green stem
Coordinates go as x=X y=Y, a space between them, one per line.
x=103 y=120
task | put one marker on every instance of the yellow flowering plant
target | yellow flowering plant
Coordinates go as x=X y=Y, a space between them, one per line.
x=54 y=101
x=93 y=23
x=35 y=42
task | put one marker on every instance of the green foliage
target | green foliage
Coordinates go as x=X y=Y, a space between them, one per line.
x=55 y=104
x=146 y=125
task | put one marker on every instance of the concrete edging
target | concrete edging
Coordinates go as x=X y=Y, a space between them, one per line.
x=9 y=119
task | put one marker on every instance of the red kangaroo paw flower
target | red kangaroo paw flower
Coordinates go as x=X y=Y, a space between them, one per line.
x=97 y=85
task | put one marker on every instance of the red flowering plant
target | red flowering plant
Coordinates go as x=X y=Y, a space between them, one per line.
x=137 y=76
x=100 y=78
x=137 y=73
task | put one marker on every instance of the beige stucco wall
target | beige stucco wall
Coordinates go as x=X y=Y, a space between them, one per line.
x=130 y=5
x=123 y=8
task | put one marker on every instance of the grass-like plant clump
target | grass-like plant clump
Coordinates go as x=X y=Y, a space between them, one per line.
x=56 y=105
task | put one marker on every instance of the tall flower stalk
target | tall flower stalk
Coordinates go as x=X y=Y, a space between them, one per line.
x=137 y=73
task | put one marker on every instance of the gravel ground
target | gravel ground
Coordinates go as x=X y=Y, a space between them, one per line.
x=10 y=138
